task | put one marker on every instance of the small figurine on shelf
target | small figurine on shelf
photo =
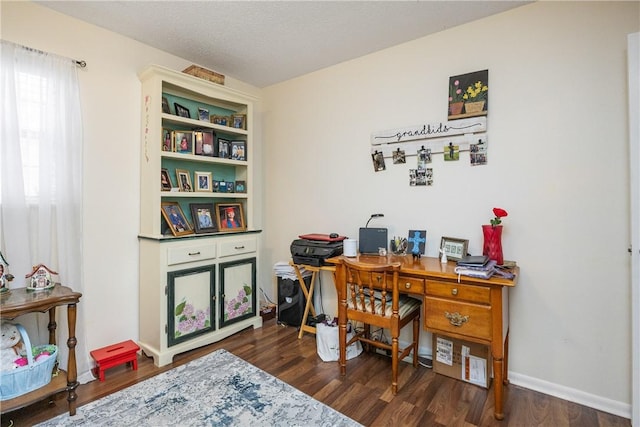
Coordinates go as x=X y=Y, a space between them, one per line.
x=444 y=259
x=40 y=278
x=5 y=276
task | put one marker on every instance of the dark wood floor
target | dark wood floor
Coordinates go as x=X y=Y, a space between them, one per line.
x=424 y=398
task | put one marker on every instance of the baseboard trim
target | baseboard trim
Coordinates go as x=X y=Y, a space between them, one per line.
x=571 y=394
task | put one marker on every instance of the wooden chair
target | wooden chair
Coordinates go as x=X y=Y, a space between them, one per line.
x=362 y=295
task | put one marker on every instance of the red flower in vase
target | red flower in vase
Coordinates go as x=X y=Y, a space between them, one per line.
x=499 y=213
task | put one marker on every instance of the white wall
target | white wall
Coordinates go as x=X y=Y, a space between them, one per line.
x=111 y=106
x=558 y=149
x=557 y=163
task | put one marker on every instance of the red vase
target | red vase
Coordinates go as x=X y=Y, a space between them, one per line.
x=492 y=246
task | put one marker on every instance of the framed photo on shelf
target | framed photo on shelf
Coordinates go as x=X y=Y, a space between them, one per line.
x=203 y=217
x=238 y=150
x=165 y=180
x=183 y=142
x=167 y=139
x=241 y=187
x=239 y=121
x=197 y=142
x=222 y=186
x=203 y=181
x=207 y=142
x=203 y=114
x=223 y=148
x=165 y=106
x=231 y=187
x=220 y=120
x=177 y=222
x=184 y=180
x=230 y=217
x=181 y=110
x=454 y=248
x=215 y=187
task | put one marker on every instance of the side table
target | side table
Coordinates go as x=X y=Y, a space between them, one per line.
x=20 y=301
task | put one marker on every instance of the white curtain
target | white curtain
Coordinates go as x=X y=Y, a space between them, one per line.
x=41 y=179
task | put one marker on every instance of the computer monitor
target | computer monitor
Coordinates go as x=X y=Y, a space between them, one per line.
x=372 y=239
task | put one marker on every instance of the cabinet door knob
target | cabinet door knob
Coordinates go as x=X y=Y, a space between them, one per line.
x=454 y=291
x=456 y=319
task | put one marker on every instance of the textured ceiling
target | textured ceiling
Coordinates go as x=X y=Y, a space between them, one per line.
x=267 y=42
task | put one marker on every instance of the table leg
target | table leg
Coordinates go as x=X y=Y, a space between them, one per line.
x=309 y=305
x=72 y=372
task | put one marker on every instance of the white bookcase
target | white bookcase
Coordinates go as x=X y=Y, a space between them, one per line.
x=194 y=289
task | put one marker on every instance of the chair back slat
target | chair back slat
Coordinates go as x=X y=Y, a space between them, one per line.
x=368 y=287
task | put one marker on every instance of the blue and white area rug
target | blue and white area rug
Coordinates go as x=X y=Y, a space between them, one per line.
x=218 y=389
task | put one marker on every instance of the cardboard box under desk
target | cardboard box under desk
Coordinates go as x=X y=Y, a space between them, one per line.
x=463 y=360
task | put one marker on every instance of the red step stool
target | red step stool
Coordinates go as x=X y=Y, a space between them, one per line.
x=114 y=355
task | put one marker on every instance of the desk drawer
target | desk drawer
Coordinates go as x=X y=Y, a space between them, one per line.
x=190 y=253
x=237 y=247
x=411 y=285
x=458 y=291
x=461 y=318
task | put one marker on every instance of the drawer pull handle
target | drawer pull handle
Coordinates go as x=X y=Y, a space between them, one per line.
x=194 y=253
x=454 y=291
x=407 y=285
x=456 y=319
x=240 y=247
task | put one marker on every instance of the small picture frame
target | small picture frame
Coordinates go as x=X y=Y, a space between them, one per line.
x=177 y=222
x=203 y=181
x=399 y=157
x=204 y=217
x=220 y=120
x=230 y=217
x=454 y=248
x=417 y=241
x=222 y=186
x=197 y=142
x=183 y=142
x=241 y=186
x=165 y=105
x=167 y=139
x=184 y=180
x=239 y=121
x=165 y=180
x=231 y=187
x=182 y=111
x=215 y=186
x=203 y=114
x=238 y=150
x=223 y=148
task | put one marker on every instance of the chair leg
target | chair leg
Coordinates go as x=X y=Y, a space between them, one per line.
x=394 y=365
x=416 y=336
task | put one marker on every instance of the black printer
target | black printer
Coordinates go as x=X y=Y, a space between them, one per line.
x=314 y=252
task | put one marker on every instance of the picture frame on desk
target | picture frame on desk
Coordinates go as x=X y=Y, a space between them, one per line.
x=454 y=248
x=175 y=218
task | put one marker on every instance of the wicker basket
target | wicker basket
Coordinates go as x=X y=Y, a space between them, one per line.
x=205 y=74
x=27 y=378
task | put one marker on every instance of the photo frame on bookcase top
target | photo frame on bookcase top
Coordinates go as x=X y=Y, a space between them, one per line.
x=454 y=248
x=204 y=217
x=230 y=217
x=175 y=218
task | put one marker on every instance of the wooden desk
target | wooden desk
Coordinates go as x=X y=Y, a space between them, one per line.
x=308 y=293
x=467 y=308
x=20 y=301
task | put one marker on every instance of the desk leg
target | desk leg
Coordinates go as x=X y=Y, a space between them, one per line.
x=309 y=305
x=72 y=371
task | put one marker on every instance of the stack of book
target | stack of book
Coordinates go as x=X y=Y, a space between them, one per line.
x=476 y=266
